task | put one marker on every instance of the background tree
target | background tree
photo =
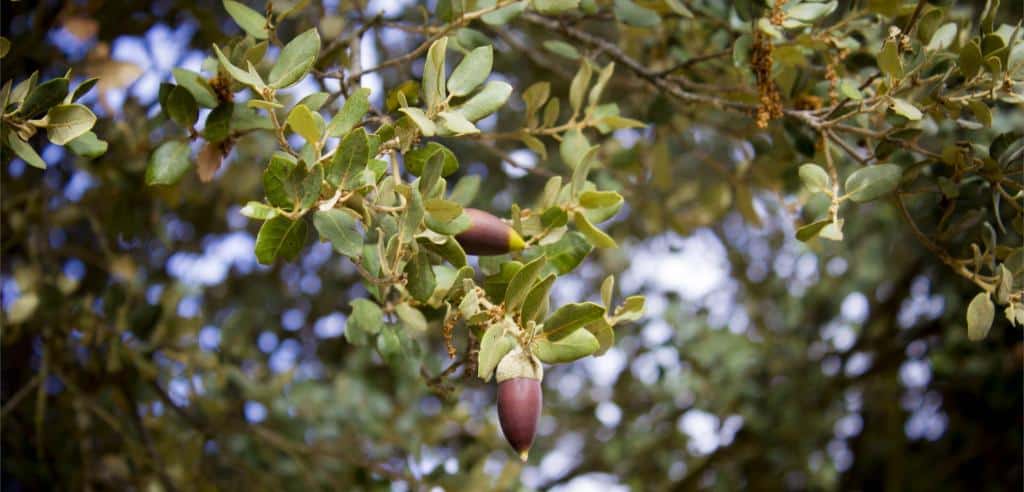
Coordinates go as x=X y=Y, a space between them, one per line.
x=820 y=201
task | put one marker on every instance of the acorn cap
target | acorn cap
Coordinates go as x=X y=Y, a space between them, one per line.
x=519 y=364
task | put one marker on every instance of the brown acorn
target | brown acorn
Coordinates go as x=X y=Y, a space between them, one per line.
x=488 y=235
x=519 y=399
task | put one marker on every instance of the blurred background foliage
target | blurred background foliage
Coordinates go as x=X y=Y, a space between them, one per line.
x=144 y=348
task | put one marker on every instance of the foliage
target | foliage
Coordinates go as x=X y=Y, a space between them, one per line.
x=884 y=134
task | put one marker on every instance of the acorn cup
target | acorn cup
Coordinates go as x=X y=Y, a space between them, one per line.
x=488 y=235
x=519 y=399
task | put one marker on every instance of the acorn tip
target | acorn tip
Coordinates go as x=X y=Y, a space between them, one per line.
x=524 y=455
x=515 y=241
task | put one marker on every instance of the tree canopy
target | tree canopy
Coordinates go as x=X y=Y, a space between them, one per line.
x=323 y=244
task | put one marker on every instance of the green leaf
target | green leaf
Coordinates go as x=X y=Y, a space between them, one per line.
x=555 y=6
x=981 y=112
x=871 y=182
x=442 y=210
x=576 y=345
x=810 y=231
x=433 y=74
x=341 y=229
x=808 y=12
x=218 y=123
x=574 y=148
x=5 y=46
x=351 y=113
x=425 y=124
x=411 y=317
x=849 y=89
x=569 y=317
x=486 y=101
x=413 y=215
x=943 y=37
x=431 y=175
x=563 y=49
x=389 y=345
x=88 y=145
x=280 y=237
x=604 y=334
x=815 y=178
x=631 y=309
x=980 y=315
x=519 y=287
x=366 y=319
x=456 y=123
x=536 y=298
x=251 y=21
x=25 y=151
x=579 y=85
x=566 y=254
x=181 y=107
x=632 y=14
x=602 y=80
x=970 y=59
x=505 y=14
x=289 y=185
x=905 y=109
x=306 y=123
x=242 y=76
x=596 y=236
x=1005 y=287
x=21 y=90
x=258 y=211
x=833 y=230
x=741 y=51
x=494 y=345
x=465 y=189
x=416 y=159
x=600 y=199
x=582 y=169
x=43 y=97
x=66 y=122
x=168 y=163
x=554 y=217
x=889 y=60
x=535 y=96
x=350 y=159
x=196 y=85
x=296 y=60
x=314 y=101
x=421 y=280
x=471 y=71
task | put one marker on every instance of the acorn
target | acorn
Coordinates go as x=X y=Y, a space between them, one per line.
x=519 y=398
x=488 y=235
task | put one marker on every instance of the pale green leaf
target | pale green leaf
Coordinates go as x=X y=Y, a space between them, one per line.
x=251 y=21
x=258 y=211
x=569 y=317
x=296 y=60
x=434 y=73
x=486 y=101
x=351 y=113
x=871 y=182
x=815 y=178
x=25 y=151
x=574 y=346
x=341 y=229
x=980 y=315
x=471 y=71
